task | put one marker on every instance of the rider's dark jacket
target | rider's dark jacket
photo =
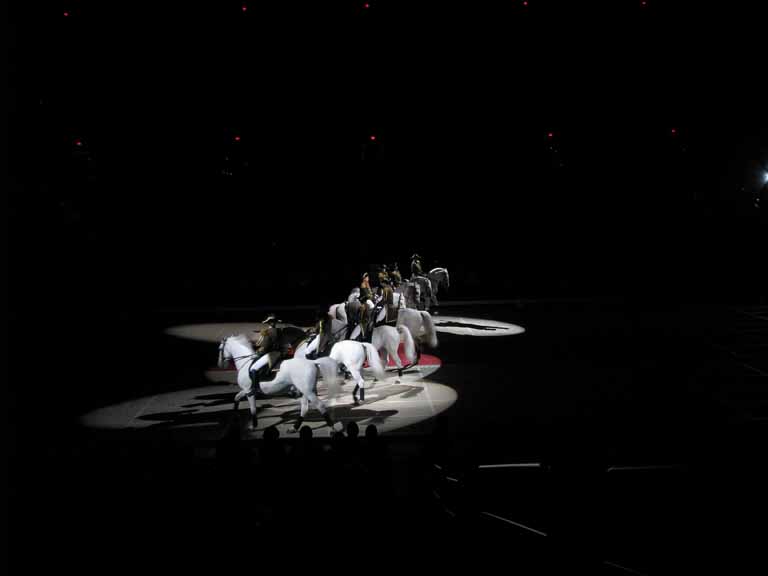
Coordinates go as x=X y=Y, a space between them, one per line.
x=267 y=341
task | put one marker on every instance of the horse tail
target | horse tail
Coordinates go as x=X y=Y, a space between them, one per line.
x=329 y=370
x=429 y=329
x=409 y=346
x=374 y=361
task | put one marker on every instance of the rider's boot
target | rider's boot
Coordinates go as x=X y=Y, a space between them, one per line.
x=254 y=375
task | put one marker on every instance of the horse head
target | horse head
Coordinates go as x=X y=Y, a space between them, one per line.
x=225 y=354
x=440 y=276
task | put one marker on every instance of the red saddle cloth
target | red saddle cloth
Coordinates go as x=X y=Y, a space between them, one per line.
x=425 y=360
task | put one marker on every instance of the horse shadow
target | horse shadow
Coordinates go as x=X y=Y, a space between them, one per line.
x=388 y=391
x=224 y=398
x=211 y=400
x=189 y=415
x=345 y=413
x=416 y=390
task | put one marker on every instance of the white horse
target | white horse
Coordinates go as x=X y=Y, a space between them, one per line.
x=298 y=372
x=419 y=323
x=353 y=355
x=438 y=277
x=387 y=339
x=412 y=293
x=338 y=312
x=399 y=299
x=335 y=332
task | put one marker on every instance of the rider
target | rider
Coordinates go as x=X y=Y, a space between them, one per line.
x=417 y=273
x=322 y=324
x=387 y=293
x=267 y=351
x=416 y=266
x=384 y=280
x=394 y=276
x=366 y=301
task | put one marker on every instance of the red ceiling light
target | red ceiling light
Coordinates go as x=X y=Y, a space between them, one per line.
x=245 y=8
x=237 y=138
x=366 y=5
x=550 y=134
x=78 y=142
x=66 y=14
x=373 y=138
x=674 y=131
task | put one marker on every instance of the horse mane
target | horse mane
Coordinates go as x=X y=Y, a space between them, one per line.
x=441 y=269
x=241 y=338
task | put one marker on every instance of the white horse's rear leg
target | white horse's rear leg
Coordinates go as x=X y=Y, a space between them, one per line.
x=319 y=405
x=302 y=414
x=239 y=398
x=392 y=353
x=359 y=385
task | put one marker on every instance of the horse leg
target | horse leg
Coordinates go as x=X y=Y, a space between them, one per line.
x=344 y=372
x=320 y=407
x=359 y=385
x=359 y=388
x=252 y=405
x=238 y=398
x=392 y=351
x=304 y=408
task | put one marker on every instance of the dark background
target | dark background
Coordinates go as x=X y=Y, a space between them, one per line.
x=133 y=189
x=133 y=205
